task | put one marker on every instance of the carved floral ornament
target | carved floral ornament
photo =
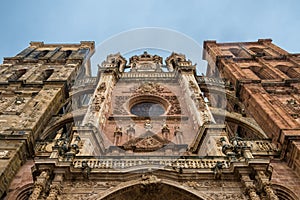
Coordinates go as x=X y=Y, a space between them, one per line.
x=150 y=88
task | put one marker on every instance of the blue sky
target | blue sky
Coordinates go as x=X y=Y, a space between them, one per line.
x=71 y=21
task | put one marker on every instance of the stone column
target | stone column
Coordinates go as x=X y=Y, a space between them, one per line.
x=55 y=188
x=39 y=185
x=252 y=193
x=270 y=192
x=250 y=187
x=265 y=185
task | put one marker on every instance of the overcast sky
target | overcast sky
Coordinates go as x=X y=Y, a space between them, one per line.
x=71 y=21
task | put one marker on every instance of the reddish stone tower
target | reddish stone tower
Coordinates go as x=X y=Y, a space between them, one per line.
x=266 y=82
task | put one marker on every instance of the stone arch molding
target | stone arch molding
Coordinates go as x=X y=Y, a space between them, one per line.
x=284 y=193
x=67 y=118
x=110 y=193
x=238 y=119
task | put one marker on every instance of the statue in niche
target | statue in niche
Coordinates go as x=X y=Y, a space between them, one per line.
x=218 y=170
x=147 y=125
x=130 y=131
x=165 y=130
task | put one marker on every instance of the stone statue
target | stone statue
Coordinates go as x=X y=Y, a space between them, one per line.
x=148 y=126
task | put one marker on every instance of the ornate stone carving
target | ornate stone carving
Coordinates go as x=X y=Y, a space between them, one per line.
x=140 y=161
x=175 y=105
x=149 y=88
x=236 y=149
x=149 y=142
x=147 y=125
x=250 y=187
x=264 y=183
x=218 y=170
x=227 y=195
x=4 y=154
x=86 y=170
x=55 y=190
x=146 y=63
x=39 y=185
x=270 y=193
x=119 y=108
x=150 y=185
x=149 y=179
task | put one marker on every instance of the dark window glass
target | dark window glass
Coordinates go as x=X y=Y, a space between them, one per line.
x=147 y=109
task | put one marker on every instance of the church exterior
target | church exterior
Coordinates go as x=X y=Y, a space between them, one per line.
x=150 y=128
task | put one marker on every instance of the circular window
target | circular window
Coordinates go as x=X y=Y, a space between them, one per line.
x=147 y=109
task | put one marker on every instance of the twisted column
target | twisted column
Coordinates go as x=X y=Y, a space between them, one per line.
x=39 y=185
x=55 y=188
x=265 y=185
x=250 y=187
x=270 y=192
x=252 y=193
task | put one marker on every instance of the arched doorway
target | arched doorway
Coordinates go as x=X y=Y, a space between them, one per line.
x=152 y=189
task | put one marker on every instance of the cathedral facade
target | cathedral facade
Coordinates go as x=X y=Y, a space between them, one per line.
x=148 y=127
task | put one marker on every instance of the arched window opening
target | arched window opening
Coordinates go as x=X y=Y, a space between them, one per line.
x=289 y=71
x=239 y=52
x=17 y=74
x=263 y=73
x=68 y=53
x=45 y=75
x=258 y=51
x=42 y=54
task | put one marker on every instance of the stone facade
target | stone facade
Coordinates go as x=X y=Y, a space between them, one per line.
x=148 y=128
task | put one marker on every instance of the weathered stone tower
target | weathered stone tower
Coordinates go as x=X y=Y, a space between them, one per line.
x=148 y=128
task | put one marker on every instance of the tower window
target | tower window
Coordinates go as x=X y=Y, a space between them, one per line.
x=258 y=51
